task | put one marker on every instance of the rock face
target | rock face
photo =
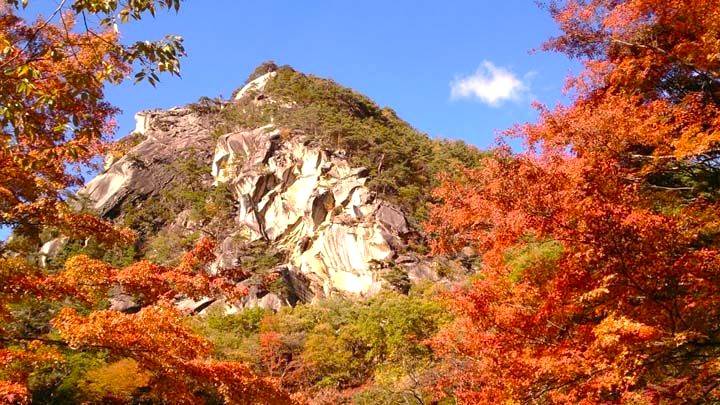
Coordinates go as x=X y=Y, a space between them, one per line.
x=50 y=249
x=255 y=85
x=169 y=135
x=313 y=204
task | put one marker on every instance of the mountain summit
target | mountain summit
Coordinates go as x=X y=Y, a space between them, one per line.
x=309 y=187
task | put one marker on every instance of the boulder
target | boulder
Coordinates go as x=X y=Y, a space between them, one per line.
x=124 y=303
x=194 y=306
x=392 y=218
x=50 y=249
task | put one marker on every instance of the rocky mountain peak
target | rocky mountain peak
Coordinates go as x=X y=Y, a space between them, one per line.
x=276 y=176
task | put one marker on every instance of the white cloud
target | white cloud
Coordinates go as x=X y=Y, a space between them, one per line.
x=490 y=84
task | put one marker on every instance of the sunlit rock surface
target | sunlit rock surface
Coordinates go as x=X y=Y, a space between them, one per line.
x=50 y=249
x=256 y=85
x=312 y=203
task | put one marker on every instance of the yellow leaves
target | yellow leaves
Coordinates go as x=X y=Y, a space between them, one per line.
x=117 y=381
x=614 y=330
x=683 y=338
x=601 y=293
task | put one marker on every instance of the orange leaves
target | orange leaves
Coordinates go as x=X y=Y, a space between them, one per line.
x=53 y=120
x=13 y=393
x=34 y=352
x=615 y=331
x=18 y=280
x=83 y=278
x=237 y=384
x=179 y=360
x=17 y=363
x=660 y=54
x=82 y=226
x=90 y=280
x=550 y=326
x=153 y=332
x=201 y=254
x=53 y=114
x=625 y=181
x=273 y=352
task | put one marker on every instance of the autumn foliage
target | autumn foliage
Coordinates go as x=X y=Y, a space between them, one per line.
x=600 y=242
x=54 y=121
x=179 y=361
x=625 y=182
x=91 y=280
x=51 y=81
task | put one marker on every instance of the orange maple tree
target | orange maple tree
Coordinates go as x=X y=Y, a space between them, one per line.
x=53 y=115
x=624 y=182
x=54 y=120
x=179 y=361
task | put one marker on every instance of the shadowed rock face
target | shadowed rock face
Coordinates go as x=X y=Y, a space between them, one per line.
x=169 y=135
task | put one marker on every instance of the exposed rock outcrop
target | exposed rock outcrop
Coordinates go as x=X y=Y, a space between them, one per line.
x=255 y=85
x=308 y=202
x=169 y=135
x=50 y=249
x=312 y=203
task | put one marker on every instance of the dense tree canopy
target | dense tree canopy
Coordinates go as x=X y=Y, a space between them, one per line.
x=622 y=185
x=53 y=114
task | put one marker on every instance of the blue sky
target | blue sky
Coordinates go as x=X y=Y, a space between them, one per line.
x=454 y=69
x=402 y=54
